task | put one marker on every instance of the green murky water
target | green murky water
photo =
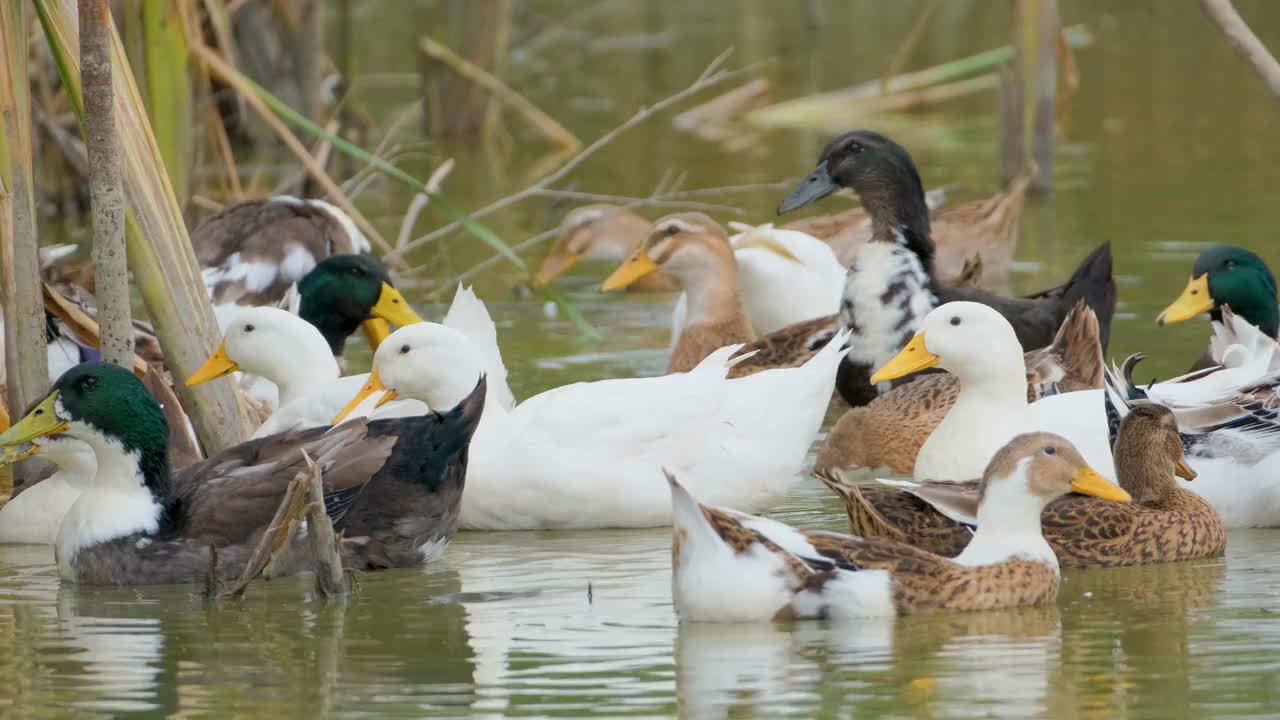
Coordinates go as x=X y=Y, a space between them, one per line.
x=1170 y=149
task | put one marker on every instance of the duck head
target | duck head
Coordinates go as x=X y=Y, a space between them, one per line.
x=882 y=174
x=342 y=292
x=1233 y=276
x=689 y=246
x=593 y=232
x=971 y=340
x=1149 y=453
x=1042 y=467
x=268 y=342
x=109 y=409
x=425 y=361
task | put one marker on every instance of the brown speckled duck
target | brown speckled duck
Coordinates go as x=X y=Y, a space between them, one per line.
x=1163 y=524
x=889 y=431
x=732 y=567
x=602 y=232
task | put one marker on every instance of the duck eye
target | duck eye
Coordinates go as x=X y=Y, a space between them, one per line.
x=1050 y=450
x=404 y=349
x=855 y=148
x=1231 y=264
x=955 y=319
x=671 y=230
x=248 y=328
x=89 y=384
x=357 y=272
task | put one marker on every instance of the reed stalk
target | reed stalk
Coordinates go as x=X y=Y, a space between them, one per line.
x=26 y=361
x=106 y=196
x=159 y=250
x=168 y=89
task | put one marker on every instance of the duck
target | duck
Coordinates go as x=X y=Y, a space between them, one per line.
x=1230 y=435
x=137 y=523
x=892 y=283
x=696 y=251
x=33 y=516
x=575 y=457
x=339 y=295
x=252 y=252
x=1223 y=276
x=1164 y=523
x=601 y=232
x=285 y=349
x=984 y=229
x=729 y=566
x=889 y=431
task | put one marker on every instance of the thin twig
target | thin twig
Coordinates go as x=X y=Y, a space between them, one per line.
x=277 y=534
x=650 y=202
x=710 y=77
x=421 y=200
x=1244 y=41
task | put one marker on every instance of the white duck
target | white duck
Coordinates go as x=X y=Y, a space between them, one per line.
x=288 y=351
x=1233 y=461
x=785 y=277
x=586 y=455
x=34 y=516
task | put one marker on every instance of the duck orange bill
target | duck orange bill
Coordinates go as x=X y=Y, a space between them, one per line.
x=41 y=421
x=1088 y=482
x=393 y=308
x=555 y=265
x=375 y=331
x=216 y=366
x=1193 y=301
x=912 y=358
x=372 y=386
x=638 y=266
x=1183 y=470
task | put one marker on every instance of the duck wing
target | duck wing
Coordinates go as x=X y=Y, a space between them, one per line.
x=230 y=496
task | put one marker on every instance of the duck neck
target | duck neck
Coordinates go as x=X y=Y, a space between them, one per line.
x=75 y=460
x=129 y=496
x=1144 y=471
x=334 y=327
x=1262 y=313
x=714 y=297
x=896 y=203
x=1008 y=524
x=301 y=363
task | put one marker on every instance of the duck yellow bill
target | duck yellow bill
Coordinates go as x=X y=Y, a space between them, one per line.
x=638 y=266
x=11 y=454
x=41 y=421
x=393 y=308
x=912 y=358
x=375 y=331
x=372 y=386
x=555 y=265
x=1193 y=301
x=216 y=366
x=1088 y=482
x=1183 y=470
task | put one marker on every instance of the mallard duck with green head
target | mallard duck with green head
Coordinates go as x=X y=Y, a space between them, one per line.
x=1228 y=276
x=392 y=486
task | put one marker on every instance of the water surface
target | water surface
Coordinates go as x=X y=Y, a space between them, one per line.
x=1168 y=148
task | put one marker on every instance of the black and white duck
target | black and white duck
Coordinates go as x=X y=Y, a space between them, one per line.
x=392 y=486
x=891 y=283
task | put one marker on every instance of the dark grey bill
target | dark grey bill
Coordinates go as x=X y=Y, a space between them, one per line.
x=813 y=188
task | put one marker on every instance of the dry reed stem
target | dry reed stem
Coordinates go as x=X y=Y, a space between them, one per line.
x=539 y=120
x=1224 y=15
x=106 y=193
x=275 y=537
x=230 y=76
x=331 y=580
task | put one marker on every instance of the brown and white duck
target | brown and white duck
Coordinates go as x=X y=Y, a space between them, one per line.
x=889 y=431
x=892 y=282
x=601 y=232
x=1164 y=523
x=728 y=566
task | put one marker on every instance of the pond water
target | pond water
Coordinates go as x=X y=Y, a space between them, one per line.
x=1166 y=152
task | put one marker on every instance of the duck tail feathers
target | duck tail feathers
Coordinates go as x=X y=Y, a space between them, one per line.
x=1094 y=283
x=469 y=315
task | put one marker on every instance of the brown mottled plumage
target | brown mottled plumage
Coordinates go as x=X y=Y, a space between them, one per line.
x=283 y=236
x=889 y=431
x=1164 y=523
x=819 y=569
